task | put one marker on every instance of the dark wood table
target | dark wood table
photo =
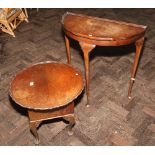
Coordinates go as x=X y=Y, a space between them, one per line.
x=47 y=90
x=93 y=31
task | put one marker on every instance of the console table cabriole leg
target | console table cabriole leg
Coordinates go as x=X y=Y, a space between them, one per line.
x=71 y=119
x=139 y=44
x=33 y=129
x=68 y=49
x=87 y=48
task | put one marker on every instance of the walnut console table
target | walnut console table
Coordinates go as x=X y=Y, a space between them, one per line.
x=93 y=31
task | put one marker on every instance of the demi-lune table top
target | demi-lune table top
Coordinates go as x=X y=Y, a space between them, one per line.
x=46 y=85
x=100 y=29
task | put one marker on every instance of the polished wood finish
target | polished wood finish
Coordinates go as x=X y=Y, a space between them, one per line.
x=46 y=85
x=47 y=90
x=139 y=44
x=86 y=48
x=36 y=117
x=10 y=18
x=91 y=31
x=68 y=50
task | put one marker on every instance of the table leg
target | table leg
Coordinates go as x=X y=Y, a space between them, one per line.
x=139 y=44
x=71 y=120
x=87 y=48
x=68 y=49
x=33 y=129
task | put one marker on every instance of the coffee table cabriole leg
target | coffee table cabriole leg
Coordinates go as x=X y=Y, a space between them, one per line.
x=86 y=49
x=71 y=119
x=33 y=129
x=139 y=44
x=68 y=49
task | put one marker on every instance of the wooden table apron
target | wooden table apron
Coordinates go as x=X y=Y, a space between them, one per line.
x=37 y=116
x=87 y=44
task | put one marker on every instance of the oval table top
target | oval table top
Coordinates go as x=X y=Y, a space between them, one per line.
x=95 y=28
x=46 y=85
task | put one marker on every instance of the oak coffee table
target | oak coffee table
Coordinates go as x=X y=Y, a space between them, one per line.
x=47 y=90
x=93 y=31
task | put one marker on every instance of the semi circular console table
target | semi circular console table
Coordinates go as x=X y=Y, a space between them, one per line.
x=93 y=31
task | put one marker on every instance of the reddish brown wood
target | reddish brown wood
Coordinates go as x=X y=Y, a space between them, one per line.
x=47 y=90
x=68 y=49
x=139 y=44
x=87 y=48
x=93 y=31
x=46 y=86
x=71 y=120
x=37 y=116
x=33 y=128
x=41 y=115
